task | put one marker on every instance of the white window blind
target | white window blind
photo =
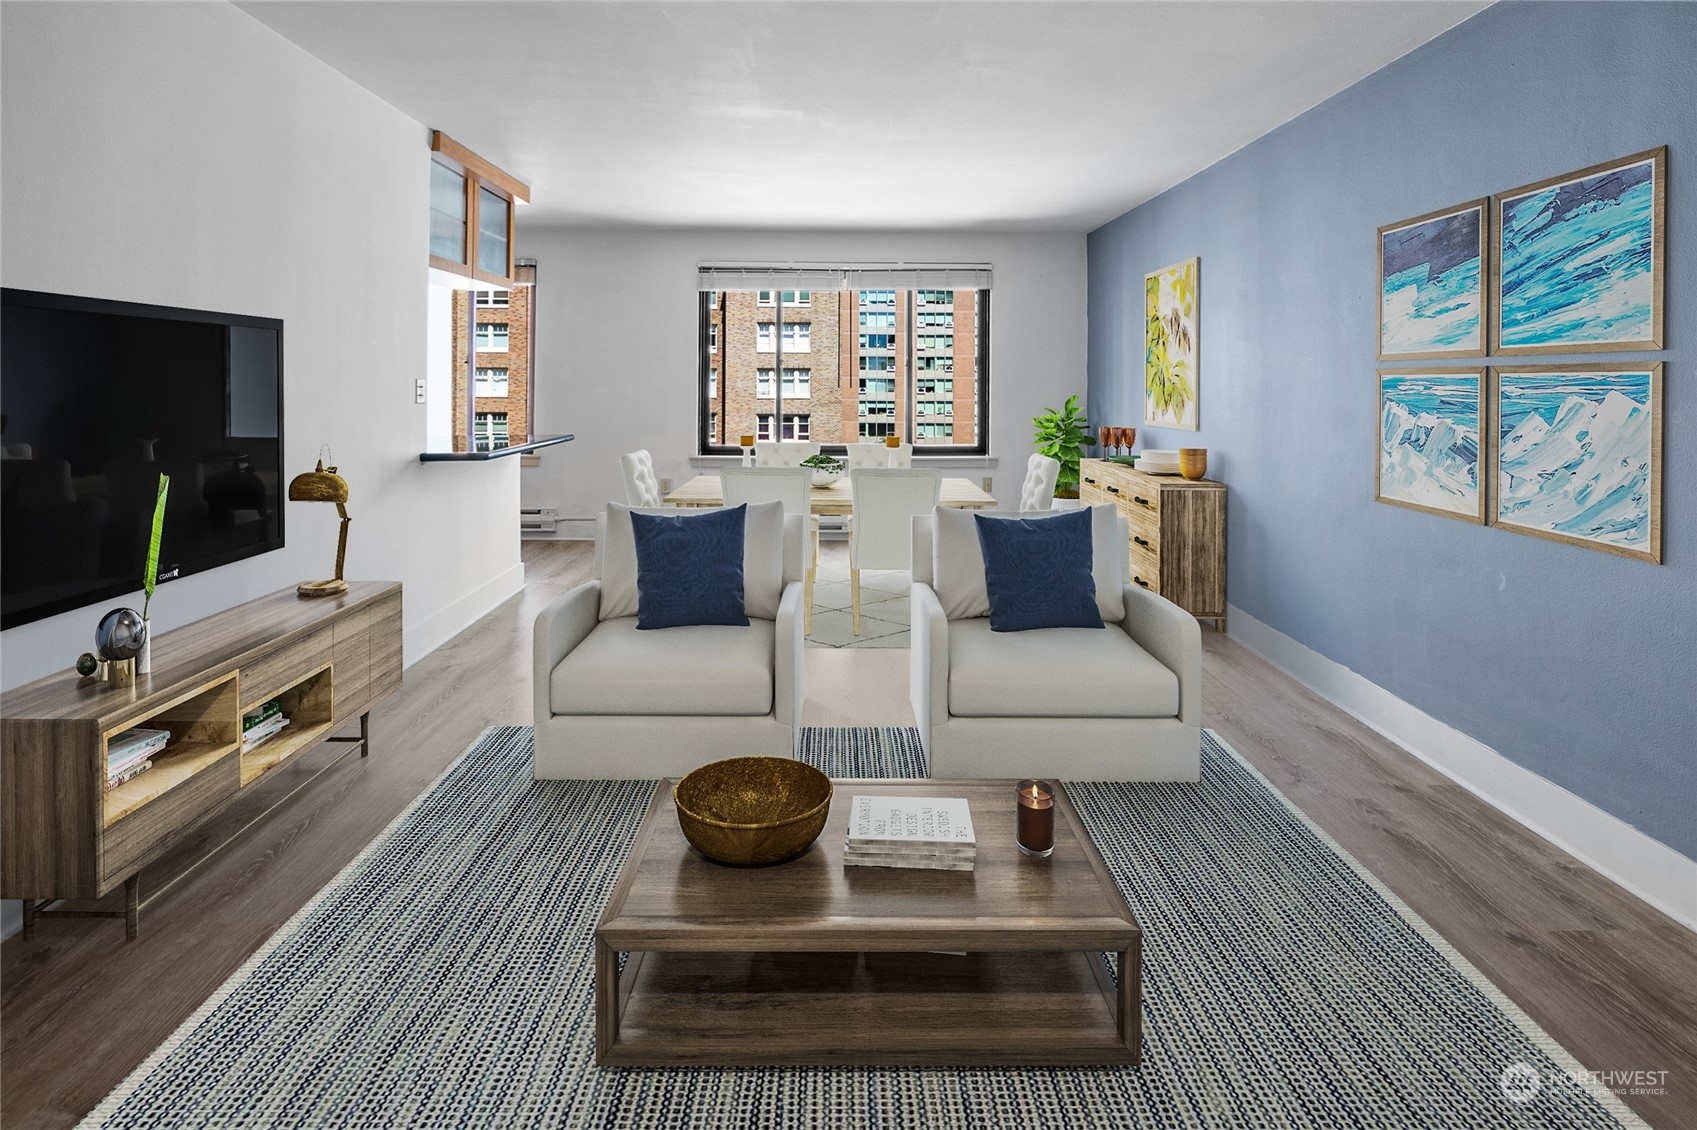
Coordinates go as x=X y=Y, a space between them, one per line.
x=843 y=276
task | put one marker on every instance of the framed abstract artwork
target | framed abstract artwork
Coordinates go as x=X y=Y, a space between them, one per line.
x=1576 y=454
x=1170 y=346
x=1432 y=284
x=1430 y=446
x=1580 y=260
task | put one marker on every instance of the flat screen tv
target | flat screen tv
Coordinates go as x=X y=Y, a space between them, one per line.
x=97 y=399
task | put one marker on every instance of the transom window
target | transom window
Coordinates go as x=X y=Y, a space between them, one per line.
x=492 y=298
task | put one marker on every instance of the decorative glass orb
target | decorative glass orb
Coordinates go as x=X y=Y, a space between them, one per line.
x=121 y=634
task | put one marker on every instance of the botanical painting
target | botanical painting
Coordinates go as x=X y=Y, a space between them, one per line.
x=1170 y=346
x=1579 y=259
x=1429 y=440
x=1578 y=454
x=1432 y=285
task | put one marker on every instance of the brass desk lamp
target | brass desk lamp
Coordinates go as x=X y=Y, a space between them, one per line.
x=323 y=484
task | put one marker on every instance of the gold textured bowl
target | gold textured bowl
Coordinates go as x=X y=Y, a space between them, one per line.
x=753 y=810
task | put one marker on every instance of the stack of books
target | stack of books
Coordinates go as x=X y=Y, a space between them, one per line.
x=928 y=833
x=130 y=754
x=261 y=724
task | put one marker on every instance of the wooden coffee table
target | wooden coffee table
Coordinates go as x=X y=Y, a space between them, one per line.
x=812 y=962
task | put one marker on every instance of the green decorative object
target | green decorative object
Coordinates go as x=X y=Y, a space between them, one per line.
x=150 y=575
x=1061 y=436
x=87 y=664
x=823 y=462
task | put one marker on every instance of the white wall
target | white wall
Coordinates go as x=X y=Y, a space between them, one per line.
x=186 y=155
x=618 y=351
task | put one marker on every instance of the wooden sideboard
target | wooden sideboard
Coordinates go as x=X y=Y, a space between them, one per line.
x=1178 y=533
x=65 y=835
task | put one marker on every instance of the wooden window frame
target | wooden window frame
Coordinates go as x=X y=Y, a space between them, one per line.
x=478 y=174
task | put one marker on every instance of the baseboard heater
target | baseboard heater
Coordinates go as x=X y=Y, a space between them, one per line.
x=538 y=519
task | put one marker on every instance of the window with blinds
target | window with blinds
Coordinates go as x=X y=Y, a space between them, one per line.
x=839 y=354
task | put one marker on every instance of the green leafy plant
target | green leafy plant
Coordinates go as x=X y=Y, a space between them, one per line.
x=150 y=575
x=1061 y=436
x=823 y=462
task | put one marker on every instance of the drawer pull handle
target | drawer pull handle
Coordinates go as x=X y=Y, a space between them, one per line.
x=1141 y=501
x=1113 y=489
x=1090 y=480
x=1144 y=542
x=1141 y=581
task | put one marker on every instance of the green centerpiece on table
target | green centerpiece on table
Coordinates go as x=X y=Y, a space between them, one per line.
x=827 y=469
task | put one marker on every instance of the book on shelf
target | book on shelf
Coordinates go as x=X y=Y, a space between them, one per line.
x=262 y=714
x=132 y=747
x=128 y=773
x=263 y=732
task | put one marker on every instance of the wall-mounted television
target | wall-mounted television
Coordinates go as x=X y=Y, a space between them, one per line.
x=97 y=399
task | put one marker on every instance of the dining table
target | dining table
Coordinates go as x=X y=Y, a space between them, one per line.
x=834 y=498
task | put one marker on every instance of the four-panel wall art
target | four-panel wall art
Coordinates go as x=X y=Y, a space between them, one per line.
x=1571 y=452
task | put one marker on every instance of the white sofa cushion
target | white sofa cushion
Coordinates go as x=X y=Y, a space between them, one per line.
x=762 y=562
x=1055 y=673
x=705 y=669
x=957 y=560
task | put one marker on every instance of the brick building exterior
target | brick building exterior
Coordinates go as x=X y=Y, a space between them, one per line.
x=501 y=384
x=849 y=367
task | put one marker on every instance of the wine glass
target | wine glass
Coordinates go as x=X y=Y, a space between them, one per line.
x=1128 y=438
x=1106 y=435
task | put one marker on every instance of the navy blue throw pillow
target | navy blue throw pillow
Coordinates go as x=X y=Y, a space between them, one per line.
x=1037 y=572
x=689 y=568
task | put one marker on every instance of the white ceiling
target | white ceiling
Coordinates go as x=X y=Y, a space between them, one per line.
x=853 y=114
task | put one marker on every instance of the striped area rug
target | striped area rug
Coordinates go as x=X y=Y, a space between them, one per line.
x=444 y=980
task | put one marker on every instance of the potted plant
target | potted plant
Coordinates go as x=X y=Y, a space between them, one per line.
x=827 y=469
x=1061 y=436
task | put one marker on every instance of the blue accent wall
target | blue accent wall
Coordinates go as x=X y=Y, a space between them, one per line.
x=1577 y=664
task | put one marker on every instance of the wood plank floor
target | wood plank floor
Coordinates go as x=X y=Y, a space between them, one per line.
x=1611 y=979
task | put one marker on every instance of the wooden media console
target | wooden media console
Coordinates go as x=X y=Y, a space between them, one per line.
x=65 y=835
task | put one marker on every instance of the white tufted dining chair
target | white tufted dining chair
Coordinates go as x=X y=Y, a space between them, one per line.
x=789 y=453
x=885 y=502
x=641 y=487
x=1038 y=490
x=879 y=455
x=792 y=486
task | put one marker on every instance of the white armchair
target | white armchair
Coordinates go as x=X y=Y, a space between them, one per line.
x=615 y=702
x=641 y=487
x=1121 y=704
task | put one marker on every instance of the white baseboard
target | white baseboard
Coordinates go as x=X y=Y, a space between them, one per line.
x=420 y=639
x=1645 y=866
